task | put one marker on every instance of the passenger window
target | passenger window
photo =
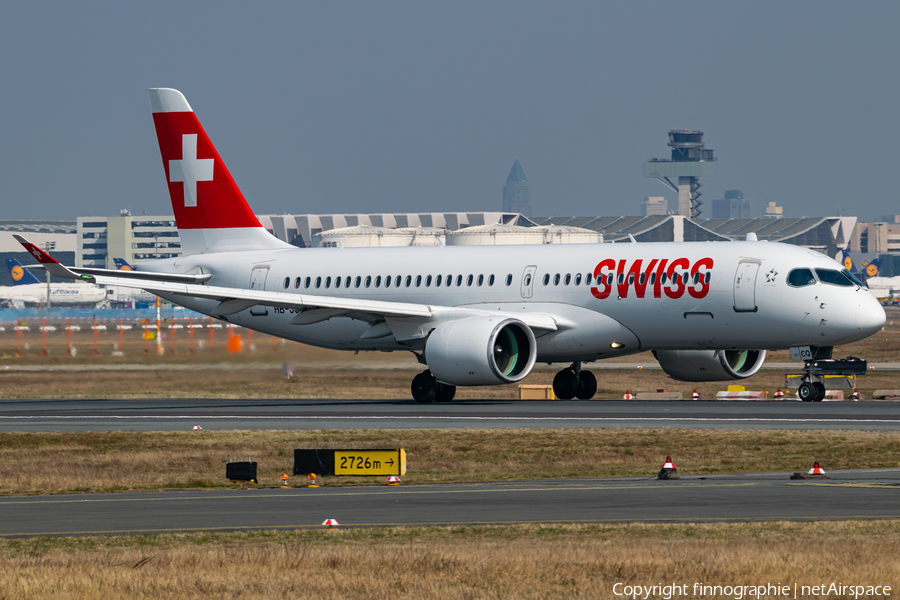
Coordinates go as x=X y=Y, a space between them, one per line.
x=428 y=281
x=480 y=280
x=449 y=280
x=327 y=282
x=378 y=281
x=621 y=278
x=568 y=278
x=631 y=279
x=577 y=278
x=684 y=277
x=587 y=279
x=437 y=281
x=459 y=281
x=642 y=278
x=663 y=278
x=387 y=281
x=800 y=278
x=318 y=282
x=359 y=280
x=832 y=277
x=706 y=278
x=696 y=277
x=546 y=279
x=337 y=282
x=652 y=278
x=368 y=280
x=509 y=279
x=609 y=279
x=408 y=280
x=528 y=279
x=306 y=284
x=469 y=280
x=347 y=282
x=491 y=280
x=418 y=281
x=297 y=283
x=287 y=282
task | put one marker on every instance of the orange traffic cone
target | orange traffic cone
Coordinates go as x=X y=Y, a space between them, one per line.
x=816 y=470
x=779 y=394
x=695 y=395
x=628 y=395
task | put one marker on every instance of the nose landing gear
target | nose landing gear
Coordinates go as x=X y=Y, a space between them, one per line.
x=574 y=382
x=425 y=388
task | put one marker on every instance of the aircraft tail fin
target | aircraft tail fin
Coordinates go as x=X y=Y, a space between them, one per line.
x=210 y=210
x=122 y=264
x=19 y=274
x=873 y=268
x=848 y=261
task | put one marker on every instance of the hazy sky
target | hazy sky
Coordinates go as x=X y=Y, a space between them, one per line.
x=424 y=106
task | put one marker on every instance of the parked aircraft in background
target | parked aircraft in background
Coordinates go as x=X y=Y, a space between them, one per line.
x=27 y=290
x=883 y=288
x=484 y=315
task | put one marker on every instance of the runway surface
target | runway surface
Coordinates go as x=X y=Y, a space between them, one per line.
x=868 y=494
x=174 y=414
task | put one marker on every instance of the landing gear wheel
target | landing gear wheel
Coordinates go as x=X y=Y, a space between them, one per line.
x=587 y=385
x=445 y=393
x=424 y=387
x=807 y=392
x=565 y=384
x=820 y=391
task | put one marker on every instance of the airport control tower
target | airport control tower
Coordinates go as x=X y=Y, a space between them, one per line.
x=688 y=156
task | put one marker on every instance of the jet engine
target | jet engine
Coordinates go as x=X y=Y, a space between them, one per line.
x=481 y=351
x=710 y=365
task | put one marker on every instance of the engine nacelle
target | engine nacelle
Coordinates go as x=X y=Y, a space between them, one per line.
x=710 y=365
x=481 y=351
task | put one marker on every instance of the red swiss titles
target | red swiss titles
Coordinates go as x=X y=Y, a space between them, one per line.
x=672 y=278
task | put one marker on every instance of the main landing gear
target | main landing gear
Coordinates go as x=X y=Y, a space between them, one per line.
x=574 y=382
x=425 y=388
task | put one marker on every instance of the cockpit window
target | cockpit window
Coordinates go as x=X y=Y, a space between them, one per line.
x=832 y=277
x=853 y=278
x=800 y=278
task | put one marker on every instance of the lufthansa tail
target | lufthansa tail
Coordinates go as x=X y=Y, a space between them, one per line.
x=19 y=274
x=122 y=264
x=210 y=211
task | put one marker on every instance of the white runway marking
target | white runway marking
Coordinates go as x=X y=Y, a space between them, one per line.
x=439 y=418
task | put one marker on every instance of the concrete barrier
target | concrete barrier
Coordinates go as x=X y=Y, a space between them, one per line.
x=833 y=396
x=658 y=396
x=745 y=396
x=890 y=395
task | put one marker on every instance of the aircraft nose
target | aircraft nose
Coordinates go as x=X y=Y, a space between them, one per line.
x=870 y=315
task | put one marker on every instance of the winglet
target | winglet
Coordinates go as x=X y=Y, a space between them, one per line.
x=53 y=266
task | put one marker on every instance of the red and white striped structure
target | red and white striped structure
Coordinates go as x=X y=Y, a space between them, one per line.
x=779 y=394
x=670 y=465
x=627 y=395
x=393 y=480
x=196 y=428
x=816 y=470
x=695 y=395
x=330 y=522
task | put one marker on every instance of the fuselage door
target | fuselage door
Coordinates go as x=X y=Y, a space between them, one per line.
x=745 y=286
x=258 y=278
x=528 y=281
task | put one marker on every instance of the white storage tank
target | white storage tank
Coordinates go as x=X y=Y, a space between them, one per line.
x=363 y=236
x=560 y=234
x=495 y=235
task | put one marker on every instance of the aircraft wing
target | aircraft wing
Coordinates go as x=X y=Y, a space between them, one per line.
x=312 y=308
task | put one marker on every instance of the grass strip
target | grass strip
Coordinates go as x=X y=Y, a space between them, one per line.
x=42 y=463
x=498 y=562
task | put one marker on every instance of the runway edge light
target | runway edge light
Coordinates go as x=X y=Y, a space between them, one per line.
x=668 y=470
x=330 y=523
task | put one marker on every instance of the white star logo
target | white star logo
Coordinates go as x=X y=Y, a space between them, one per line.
x=190 y=169
x=770 y=276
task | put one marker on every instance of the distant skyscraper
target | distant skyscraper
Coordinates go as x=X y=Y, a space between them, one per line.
x=732 y=206
x=655 y=205
x=515 y=192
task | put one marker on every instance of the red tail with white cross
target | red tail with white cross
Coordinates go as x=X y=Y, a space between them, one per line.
x=210 y=211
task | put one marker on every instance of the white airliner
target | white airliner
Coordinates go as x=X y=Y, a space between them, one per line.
x=484 y=315
x=27 y=290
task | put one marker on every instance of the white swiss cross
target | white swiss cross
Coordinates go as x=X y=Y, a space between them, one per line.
x=190 y=169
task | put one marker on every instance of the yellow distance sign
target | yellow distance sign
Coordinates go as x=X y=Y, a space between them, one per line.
x=370 y=462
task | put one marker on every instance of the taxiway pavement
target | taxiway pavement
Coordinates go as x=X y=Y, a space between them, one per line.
x=169 y=414
x=857 y=494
